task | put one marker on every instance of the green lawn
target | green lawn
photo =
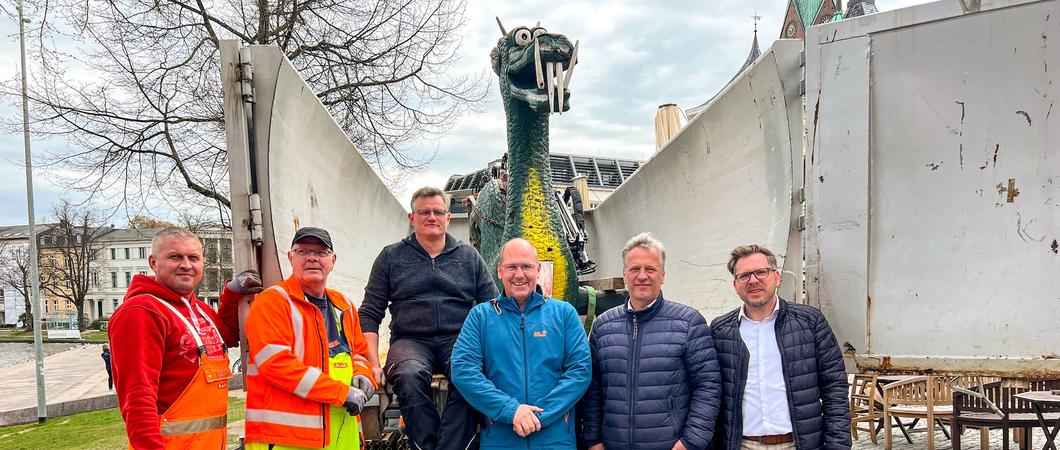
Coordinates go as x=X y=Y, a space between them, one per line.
x=91 y=430
x=22 y=335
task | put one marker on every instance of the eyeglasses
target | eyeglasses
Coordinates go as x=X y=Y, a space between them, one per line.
x=304 y=252
x=511 y=268
x=428 y=212
x=759 y=274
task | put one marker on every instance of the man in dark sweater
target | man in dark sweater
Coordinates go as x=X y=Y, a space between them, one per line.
x=429 y=281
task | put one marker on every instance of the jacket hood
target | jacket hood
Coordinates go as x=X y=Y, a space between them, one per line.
x=451 y=243
x=149 y=285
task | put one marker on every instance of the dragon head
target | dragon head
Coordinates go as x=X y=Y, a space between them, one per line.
x=535 y=67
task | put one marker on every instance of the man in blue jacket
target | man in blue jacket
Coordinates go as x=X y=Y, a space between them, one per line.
x=655 y=383
x=783 y=382
x=522 y=360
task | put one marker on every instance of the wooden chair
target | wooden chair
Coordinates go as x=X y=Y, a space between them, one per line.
x=928 y=397
x=865 y=405
x=1015 y=414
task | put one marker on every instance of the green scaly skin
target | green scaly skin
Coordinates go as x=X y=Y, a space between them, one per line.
x=530 y=212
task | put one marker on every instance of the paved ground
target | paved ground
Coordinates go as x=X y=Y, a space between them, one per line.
x=969 y=441
x=14 y=353
x=70 y=375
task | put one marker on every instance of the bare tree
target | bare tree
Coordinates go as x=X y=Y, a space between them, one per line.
x=15 y=272
x=141 y=222
x=148 y=115
x=67 y=253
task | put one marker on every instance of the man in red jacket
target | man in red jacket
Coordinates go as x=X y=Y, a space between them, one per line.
x=169 y=349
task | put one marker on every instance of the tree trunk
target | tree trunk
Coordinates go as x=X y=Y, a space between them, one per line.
x=28 y=298
x=81 y=325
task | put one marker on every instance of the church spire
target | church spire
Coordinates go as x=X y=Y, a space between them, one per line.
x=755 y=51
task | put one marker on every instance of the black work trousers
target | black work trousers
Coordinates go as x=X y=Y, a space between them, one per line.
x=410 y=362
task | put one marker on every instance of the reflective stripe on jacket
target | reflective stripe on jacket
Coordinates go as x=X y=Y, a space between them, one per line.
x=288 y=386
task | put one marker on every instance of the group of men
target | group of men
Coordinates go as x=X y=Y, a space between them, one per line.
x=651 y=374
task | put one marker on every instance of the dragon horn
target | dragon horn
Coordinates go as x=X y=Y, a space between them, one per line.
x=503 y=32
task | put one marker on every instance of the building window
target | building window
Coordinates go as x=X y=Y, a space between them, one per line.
x=115 y=303
x=143 y=252
x=143 y=272
x=210 y=252
x=114 y=279
x=95 y=279
x=128 y=278
x=127 y=254
x=210 y=280
x=113 y=254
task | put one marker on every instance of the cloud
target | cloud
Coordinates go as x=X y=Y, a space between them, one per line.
x=634 y=56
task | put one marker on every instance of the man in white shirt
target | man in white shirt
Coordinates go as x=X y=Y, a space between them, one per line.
x=783 y=381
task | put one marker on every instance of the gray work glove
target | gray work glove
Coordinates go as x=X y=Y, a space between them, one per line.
x=355 y=401
x=246 y=283
x=364 y=384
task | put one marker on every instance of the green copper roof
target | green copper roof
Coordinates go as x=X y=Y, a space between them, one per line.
x=808 y=10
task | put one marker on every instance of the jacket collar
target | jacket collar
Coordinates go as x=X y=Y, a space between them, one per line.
x=535 y=301
x=293 y=289
x=646 y=313
x=451 y=243
x=742 y=313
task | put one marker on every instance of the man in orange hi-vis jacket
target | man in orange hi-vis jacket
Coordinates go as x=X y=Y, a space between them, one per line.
x=303 y=390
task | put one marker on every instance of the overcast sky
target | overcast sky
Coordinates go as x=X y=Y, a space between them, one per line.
x=633 y=56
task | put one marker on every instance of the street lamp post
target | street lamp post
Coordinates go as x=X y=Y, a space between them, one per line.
x=42 y=404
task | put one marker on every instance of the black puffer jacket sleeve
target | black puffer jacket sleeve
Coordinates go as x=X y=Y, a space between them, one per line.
x=701 y=363
x=591 y=406
x=832 y=379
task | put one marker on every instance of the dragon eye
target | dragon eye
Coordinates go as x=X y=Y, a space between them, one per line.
x=522 y=36
x=538 y=32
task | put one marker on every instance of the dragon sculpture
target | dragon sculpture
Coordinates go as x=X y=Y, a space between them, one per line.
x=535 y=69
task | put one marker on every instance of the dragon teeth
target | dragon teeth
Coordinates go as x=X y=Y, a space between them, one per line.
x=559 y=86
x=551 y=90
x=537 y=65
x=570 y=66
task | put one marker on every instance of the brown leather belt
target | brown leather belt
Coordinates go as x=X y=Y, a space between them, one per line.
x=772 y=439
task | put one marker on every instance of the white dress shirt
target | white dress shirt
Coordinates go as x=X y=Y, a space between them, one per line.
x=765 y=397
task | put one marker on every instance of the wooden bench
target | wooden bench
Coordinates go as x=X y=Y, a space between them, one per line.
x=970 y=411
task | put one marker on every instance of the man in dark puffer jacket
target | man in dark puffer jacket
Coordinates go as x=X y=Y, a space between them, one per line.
x=655 y=381
x=783 y=382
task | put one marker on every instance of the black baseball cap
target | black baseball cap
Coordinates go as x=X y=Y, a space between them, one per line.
x=313 y=232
